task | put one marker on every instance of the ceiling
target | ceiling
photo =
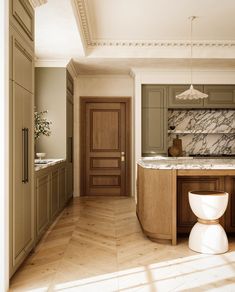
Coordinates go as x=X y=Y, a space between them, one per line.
x=113 y=36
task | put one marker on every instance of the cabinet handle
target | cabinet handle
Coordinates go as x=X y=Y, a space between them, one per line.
x=25 y=140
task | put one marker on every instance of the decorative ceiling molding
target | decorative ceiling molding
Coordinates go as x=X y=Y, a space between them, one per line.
x=72 y=69
x=36 y=3
x=172 y=43
x=81 y=14
x=51 y=63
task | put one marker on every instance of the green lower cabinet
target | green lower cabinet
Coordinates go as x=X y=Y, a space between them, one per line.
x=42 y=204
x=62 y=187
x=54 y=193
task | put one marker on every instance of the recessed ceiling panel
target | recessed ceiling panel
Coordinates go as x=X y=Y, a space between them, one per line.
x=160 y=19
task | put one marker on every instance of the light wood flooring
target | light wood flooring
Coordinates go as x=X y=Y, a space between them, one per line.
x=97 y=245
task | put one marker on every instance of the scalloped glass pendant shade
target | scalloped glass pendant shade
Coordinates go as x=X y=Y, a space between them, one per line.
x=191 y=93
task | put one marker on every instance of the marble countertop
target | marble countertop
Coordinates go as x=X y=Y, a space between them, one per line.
x=50 y=162
x=186 y=163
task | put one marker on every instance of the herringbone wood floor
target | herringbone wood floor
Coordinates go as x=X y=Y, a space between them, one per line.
x=97 y=245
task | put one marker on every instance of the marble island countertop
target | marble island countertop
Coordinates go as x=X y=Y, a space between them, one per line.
x=44 y=163
x=186 y=163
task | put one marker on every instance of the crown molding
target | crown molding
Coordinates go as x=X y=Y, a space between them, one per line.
x=36 y=3
x=159 y=43
x=51 y=63
x=72 y=68
x=81 y=14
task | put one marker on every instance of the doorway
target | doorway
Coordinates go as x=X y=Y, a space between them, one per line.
x=105 y=146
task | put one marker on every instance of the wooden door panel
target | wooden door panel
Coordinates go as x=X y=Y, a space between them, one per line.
x=105 y=152
x=105 y=162
x=105 y=130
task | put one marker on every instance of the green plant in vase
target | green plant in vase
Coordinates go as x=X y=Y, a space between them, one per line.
x=41 y=125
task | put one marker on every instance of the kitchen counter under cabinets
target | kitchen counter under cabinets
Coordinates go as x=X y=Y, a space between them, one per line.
x=162 y=193
x=50 y=193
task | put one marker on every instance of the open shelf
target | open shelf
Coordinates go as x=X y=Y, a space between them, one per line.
x=181 y=132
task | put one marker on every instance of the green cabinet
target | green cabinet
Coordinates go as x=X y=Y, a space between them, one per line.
x=21 y=133
x=69 y=136
x=42 y=203
x=62 y=187
x=50 y=192
x=154 y=120
x=173 y=102
x=54 y=193
x=219 y=96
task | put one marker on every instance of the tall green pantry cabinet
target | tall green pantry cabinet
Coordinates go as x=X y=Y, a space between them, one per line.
x=21 y=81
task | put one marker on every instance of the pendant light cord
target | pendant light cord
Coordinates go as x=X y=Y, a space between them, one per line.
x=191 y=48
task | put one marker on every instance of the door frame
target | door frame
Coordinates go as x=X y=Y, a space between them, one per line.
x=83 y=101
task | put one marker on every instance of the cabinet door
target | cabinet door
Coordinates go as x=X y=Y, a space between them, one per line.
x=220 y=96
x=54 y=193
x=22 y=63
x=154 y=131
x=22 y=199
x=62 y=186
x=69 y=147
x=229 y=214
x=173 y=102
x=22 y=16
x=154 y=96
x=42 y=203
x=185 y=217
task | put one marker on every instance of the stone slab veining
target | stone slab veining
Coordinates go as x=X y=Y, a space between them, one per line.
x=210 y=131
x=52 y=162
x=186 y=163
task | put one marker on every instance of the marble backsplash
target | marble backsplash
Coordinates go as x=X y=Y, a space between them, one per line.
x=203 y=131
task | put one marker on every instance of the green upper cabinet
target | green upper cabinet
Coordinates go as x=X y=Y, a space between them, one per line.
x=22 y=18
x=154 y=120
x=219 y=96
x=154 y=96
x=173 y=102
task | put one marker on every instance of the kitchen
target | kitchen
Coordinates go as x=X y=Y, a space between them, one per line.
x=93 y=87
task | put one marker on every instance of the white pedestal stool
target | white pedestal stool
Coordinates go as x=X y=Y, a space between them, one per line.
x=207 y=235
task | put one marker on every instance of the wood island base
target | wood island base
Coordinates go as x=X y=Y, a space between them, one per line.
x=162 y=200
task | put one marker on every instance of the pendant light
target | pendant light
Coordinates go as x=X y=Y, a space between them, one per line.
x=191 y=93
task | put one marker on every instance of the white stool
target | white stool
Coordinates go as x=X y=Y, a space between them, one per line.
x=207 y=235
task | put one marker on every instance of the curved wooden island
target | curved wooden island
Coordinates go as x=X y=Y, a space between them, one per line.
x=160 y=183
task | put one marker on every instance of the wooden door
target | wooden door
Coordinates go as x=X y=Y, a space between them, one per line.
x=105 y=151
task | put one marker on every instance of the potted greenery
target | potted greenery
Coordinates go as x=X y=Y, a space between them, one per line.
x=41 y=125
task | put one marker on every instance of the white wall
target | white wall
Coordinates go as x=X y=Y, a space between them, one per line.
x=4 y=147
x=97 y=86
x=50 y=94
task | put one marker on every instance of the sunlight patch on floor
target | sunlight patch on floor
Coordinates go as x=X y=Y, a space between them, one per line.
x=185 y=273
